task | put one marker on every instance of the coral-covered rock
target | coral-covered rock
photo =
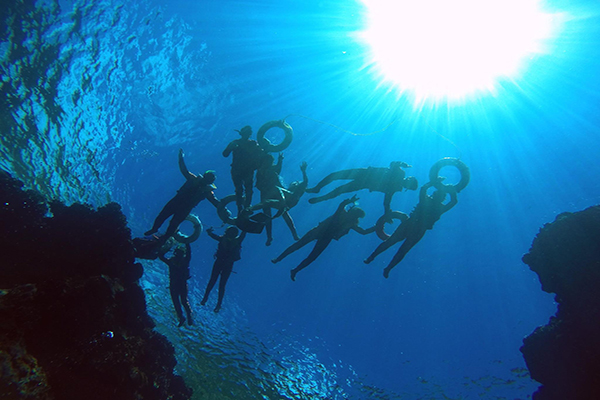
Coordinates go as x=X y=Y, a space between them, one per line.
x=565 y=354
x=73 y=320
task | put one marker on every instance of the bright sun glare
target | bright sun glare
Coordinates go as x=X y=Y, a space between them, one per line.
x=443 y=48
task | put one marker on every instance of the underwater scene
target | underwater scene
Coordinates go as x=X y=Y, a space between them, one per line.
x=401 y=199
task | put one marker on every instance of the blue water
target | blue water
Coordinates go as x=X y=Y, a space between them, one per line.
x=100 y=95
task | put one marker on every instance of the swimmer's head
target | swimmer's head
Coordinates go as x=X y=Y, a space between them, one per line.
x=411 y=183
x=245 y=132
x=356 y=212
x=232 y=232
x=209 y=177
x=439 y=195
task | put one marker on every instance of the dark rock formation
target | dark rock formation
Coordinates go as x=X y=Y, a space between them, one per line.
x=73 y=320
x=564 y=356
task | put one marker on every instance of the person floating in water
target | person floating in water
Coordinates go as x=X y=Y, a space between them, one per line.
x=385 y=180
x=268 y=182
x=291 y=197
x=426 y=213
x=179 y=273
x=228 y=252
x=333 y=228
x=194 y=190
x=246 y=155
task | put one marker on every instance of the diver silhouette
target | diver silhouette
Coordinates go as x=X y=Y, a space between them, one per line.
x=425 y=214
x=376 y=179
x=195 y=189
x=228 y=251
x=333 y=228
x=246 y=156
x=179 y=273
x=289 y=199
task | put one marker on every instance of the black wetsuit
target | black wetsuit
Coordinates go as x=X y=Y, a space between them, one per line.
x=179 y=273
x=333 y=228
x=245 y=160
x=228 y=252
x=268 y=182
x=193 y=191
x=188 y=196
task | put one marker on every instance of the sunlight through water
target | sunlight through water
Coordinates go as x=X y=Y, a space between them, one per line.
x=442 y=49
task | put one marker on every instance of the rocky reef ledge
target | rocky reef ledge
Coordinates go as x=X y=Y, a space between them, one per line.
x=73 y=320
x=564 y=356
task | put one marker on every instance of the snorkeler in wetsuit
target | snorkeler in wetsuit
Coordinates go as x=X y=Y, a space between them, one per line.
x=246 y=155
x=268 y=182
x=291 y=197
x=333 y=228
x=195 y=189
x=385 y=180
x=228 y=252
x=179 y=273
x=426 y=213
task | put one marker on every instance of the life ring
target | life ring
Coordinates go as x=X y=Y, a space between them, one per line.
x=222 y=210
x=181 y=238
x=387 y=218
x=465 y=174
x=266 y=143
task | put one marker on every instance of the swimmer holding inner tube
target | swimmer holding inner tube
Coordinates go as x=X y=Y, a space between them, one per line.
x=427 y=212
x=421 y=219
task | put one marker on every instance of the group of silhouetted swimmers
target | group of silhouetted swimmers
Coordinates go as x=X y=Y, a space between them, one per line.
x=250 y=162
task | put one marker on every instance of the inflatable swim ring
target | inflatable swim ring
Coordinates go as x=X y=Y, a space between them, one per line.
x=465 y=174
x=266 y=144
x=223 y=212
x=181 y=238
x=387 y=218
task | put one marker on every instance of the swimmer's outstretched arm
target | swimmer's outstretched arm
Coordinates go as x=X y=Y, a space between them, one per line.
x=344 y=203
x=213 y=199
x=363 y=231
x=229 y=148
x=453 y=201
x=188 y=253
x=304 y=183
x=387 y=202
x=279 y=164
x=212 y=235
x=183 y=168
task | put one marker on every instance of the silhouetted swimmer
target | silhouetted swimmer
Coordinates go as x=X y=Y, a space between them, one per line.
x=268 y=182
x=179 y=273
x=291 y=197
x=245 y=160
x=332 y=228
x=385 y=180
x=228 y=251
x=194 y=190
x=426 y=213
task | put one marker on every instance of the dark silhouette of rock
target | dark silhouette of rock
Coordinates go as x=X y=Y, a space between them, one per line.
x=73 y=320
x=564 y=356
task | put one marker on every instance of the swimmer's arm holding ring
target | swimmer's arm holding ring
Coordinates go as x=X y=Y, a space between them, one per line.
x=453 y=200
x=210 y=233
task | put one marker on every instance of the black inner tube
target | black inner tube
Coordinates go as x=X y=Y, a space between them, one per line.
x=181 y=238
x=465 y=174
x=387 y=218
x=223 y=212
x=266 y=143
